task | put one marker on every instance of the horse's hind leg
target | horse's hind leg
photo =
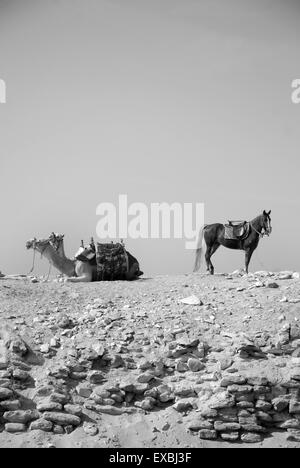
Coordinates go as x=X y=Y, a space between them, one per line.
x=209 y=253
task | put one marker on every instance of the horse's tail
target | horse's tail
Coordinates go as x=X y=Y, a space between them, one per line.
x=199 y=249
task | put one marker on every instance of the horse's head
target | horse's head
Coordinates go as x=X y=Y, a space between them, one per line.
x=266 y=222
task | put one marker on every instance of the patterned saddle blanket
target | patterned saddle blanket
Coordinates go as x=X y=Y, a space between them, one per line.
x=236 y=230
x=112 y=262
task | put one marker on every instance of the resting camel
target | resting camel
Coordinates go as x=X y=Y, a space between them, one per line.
x=75 y=270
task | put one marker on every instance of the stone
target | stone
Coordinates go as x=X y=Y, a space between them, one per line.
x=21 y=417
x=57 y=429
x=240 y=389
x=263 y=405
x=183 y=405
x=61 y=398
x=230 y=436
x=184 y=390
x=76 y=410
x=10 y=405
x=232 y=379
x=68 y=429
x=41 y=425
x=15 y=427
x=145 y=377
x=99 y=349
x=280 y=403
x=226 y=426
x=147 y=404
x=84 y=390
x=18 y=346
x=209 y=413
x=65 y=322
x=222 y=400
x=49 y=406
x=264 y=417
x=257 y=381
x=245 y=404
x=181 y=366
x=294 y=407
x=5 y=393
x=251 y=438
x=108 y=402
x=21 y=375
x=271 y=284
x=144 y=364
x=195 y=365
x=207 y=434
x=45 y=348
x=225 y=362
x=227 y=415
x=117 y=361
x=295 y=373
x=198 y=423
x=192 y=300
x=95 y=377
x=140 y=388
x=293 y=436
x=62 y=419
x=290 y=424
x=112 y=410
x=90 y=429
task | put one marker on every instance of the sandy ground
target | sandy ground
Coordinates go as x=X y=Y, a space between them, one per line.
x=141 y=316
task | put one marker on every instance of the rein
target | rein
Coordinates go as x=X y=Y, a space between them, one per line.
x=261 y=235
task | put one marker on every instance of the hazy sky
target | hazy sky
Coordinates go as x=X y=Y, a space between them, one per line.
x=162 y=100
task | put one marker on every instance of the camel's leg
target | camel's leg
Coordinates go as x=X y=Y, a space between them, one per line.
x=79 y=279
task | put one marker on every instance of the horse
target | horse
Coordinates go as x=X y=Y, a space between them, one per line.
x=214 y=237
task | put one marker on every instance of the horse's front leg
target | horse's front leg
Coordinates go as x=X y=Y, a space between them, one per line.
x=248 y=255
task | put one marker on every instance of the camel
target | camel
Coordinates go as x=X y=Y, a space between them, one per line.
x=75 y=270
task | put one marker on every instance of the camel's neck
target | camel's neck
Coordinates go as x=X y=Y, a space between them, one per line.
x=61 y=251
x=62 y=263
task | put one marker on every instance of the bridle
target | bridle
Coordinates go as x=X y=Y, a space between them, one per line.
x=266 y=232
x=34 y=245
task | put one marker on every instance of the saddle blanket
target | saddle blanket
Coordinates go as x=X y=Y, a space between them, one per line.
x=112 y=262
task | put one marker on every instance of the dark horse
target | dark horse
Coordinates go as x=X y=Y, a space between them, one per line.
x=214 y=236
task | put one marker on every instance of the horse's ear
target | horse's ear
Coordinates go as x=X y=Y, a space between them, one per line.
x=269 y=212
x=264 y=212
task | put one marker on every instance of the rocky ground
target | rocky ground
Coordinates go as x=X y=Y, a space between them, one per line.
x=185 y=361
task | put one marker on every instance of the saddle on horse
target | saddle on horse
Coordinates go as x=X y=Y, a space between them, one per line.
x=236 y=230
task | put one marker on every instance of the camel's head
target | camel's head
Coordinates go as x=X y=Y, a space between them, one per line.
x=56 y=240
x=38 y=244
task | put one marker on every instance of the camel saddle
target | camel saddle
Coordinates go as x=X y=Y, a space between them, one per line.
x=236 y=230
x=112 y=261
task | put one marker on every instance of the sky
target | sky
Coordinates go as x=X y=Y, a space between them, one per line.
x=164 y=101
